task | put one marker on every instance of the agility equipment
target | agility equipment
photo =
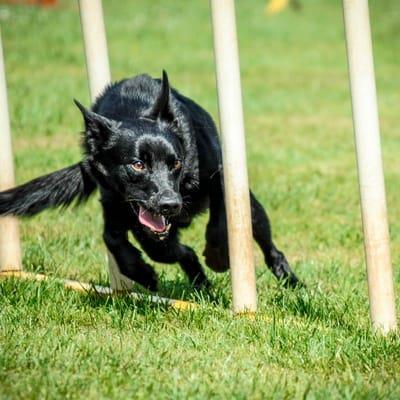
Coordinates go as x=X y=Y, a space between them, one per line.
x=368 y=152
x=237 y=198
x=10 y=251
x=369 y=162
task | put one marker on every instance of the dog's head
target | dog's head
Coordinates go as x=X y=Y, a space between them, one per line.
x=142 y=161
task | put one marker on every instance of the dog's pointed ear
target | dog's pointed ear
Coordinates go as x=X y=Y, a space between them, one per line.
x=161 y=108
x=98 y=129
x=95 y=123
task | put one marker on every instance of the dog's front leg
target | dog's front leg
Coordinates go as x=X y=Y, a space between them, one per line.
x=216 y=250
x=191 y=266
x=129 y=259
x=171 y=251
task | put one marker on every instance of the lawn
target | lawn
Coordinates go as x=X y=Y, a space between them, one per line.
x=313 y=343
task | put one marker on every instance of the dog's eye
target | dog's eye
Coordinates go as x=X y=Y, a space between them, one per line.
x=177 y=164
x=138 y=166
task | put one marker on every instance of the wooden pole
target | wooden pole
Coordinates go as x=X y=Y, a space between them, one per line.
x=369 y=161
x=94 y=37
x=234 y=156
x=10 y=251
x=98 y=71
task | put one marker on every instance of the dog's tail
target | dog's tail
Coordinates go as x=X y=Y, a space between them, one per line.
x=58 y=189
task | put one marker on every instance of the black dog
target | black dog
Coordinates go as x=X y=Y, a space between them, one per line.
x=155 y=157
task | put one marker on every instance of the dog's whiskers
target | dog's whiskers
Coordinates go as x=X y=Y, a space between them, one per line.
x=219 y=169
x=185 y=208
x=132 y=199
x=133 y=209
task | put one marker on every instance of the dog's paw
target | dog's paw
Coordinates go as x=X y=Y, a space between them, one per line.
x=292 y=282
x=148 y=278
x=216 y=258
x=202 y=284
x=281 y=269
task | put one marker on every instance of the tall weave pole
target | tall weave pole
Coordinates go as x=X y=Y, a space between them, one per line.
x=10 y=251
x=369 y=161
x=98 y=71
x=234 y=156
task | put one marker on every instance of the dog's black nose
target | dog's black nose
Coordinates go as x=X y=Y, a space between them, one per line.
x=170 y=205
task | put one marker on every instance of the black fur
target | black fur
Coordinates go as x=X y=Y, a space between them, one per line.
x=155 y=157
x=57 y=189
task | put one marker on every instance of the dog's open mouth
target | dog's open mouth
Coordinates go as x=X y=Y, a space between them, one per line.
x=157 y=223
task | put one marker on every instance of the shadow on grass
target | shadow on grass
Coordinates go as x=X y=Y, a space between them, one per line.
x=177 y=289
x=333 y=310
x=312 y=304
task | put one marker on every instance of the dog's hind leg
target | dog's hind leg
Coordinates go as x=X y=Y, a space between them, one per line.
x=216 y=251
x=274 y=258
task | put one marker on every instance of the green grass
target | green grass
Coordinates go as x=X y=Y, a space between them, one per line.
x=313 y=343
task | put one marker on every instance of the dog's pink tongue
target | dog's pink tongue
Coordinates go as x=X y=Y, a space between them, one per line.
x=154 y=222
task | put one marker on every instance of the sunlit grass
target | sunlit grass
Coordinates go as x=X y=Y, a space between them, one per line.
x=313 y=343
